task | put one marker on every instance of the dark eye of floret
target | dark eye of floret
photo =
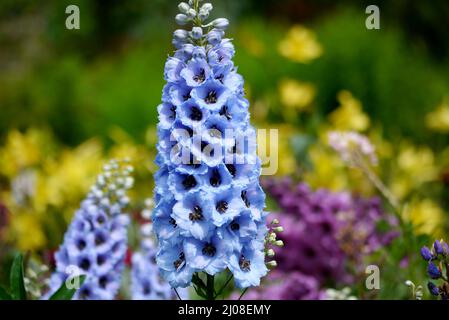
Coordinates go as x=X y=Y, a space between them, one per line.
x=245 y=199
x=100 y=220
x=231 y=169
x=197 y=214
x=172 y=222
x=103 y=281
x=235 y=226
x=81 y=244
x=85 y=293
x=225 y=112
x=220 y=78
x=215 y=180
x=211 y=97
x=214 y=131
x=146 y=289
x=245 y=264
x=85 y=264
x=222 y=206
x=186 y=96
x=179 y=261
x=189 y=182
x=200 y=77
x=196 y=114
x=101 y=259
x=220 y=58
x=209 y=250
x=99 y=239
x=173 y=112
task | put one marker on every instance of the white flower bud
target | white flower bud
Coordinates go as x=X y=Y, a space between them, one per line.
x=279 y=243
x=180 y=34
x=197 y=33
x=182 y=19
x=270 y=253
x=220 y=23
x=203 y=15
x=191 y=13
x=207 y=7
x=271 y=264
x=275 y=221
x=278 y=229
x=183 y=7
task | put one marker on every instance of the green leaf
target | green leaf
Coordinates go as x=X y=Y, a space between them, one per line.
x=63 y=293
x=16 y=277
x=4 y=295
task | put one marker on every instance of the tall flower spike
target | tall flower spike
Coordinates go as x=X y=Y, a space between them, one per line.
x=209 y=214
x=96 y=242
x=146 y=282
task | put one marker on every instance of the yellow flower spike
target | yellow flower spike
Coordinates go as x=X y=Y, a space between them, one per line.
x=300 y=45
x=295 y=94
x=438 y=120
x=349 y=115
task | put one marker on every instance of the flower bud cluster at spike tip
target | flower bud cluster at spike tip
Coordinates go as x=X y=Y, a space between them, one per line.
x=146 y=283
x=437 y=268
x=272 y=241
x=209 y=214
x=95 y=243
x=194 y=14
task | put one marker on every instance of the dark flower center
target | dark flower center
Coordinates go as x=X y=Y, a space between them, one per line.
x=101 y=219
x=173 y=112
x=85 y=293
x=197 y=214
x=211 y=97
x=235 y=226
x=81 y=244
x=146 y=289
x=200 y=77
x=196 y=114
x=215 y=132
x=178 y=263
x=231 y=169
x=103 y=281
x=189 y=182
x=245 y=199
x=215 y=180
x=99 y=239
x=186 y=96
x=225 y=112
x=245 y=264
x=220 y=78
x=85 y=264
x=222 y=206
x=172 y=222
x=101 y=259
x=209 y=250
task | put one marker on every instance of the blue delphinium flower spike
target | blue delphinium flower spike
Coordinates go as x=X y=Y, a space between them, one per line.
x=209 y=214
x=146 y=282
x=96 y=242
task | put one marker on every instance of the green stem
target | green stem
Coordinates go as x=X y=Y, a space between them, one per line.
x=210 y=287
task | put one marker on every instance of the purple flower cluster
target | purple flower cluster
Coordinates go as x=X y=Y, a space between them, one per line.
x=437 y=268
x=324 y=231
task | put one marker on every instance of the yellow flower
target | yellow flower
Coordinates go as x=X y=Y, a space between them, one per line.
x=300 y=45
x=277 y=152
x=438 y=120
x=426 y=216
x=295 y=94
x=349 y=115
x=251 y=43
x=414 y=167
x=26 y=230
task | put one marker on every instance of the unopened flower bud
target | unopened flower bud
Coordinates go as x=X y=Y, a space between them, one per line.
x=270 y=253
x=279 y=243
x=272 y=264
x=197 y=33
x=182 y=19
x=191 y=13
x=203 y=15
x=183 y=7
x=278 y=229
x=220 y=23
x=207 y=7
x=275 y=221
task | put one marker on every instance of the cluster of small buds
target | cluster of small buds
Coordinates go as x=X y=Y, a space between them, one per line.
x=438 y=268
x=197 y=15
x=352 y=147
x=417 y=291
x=95 y=244
x=343 y=294
x=36 y=278
x=271 y=240
x=146 y=282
